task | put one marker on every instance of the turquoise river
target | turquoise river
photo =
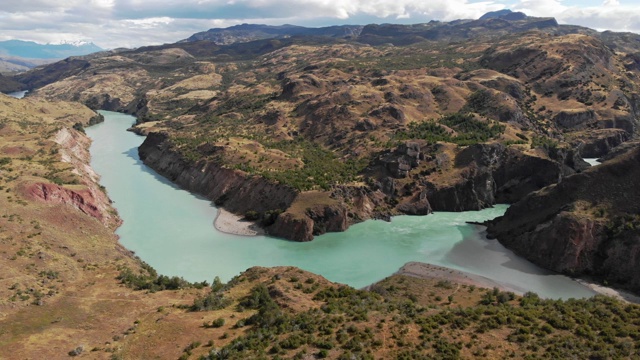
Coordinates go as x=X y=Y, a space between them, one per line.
x=173 y=231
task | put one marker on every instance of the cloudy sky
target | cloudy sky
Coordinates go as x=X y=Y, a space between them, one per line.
x=132 y=23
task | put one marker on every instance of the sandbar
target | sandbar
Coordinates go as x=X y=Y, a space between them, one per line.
x=614 y=293
x=430 y=271
x=231 y=223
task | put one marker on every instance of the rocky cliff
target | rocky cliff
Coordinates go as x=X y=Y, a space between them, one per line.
x=233 y=189
x=586 y=224
x=474 y=177
x=90 y=199
x=598 y=143
x=284 y=212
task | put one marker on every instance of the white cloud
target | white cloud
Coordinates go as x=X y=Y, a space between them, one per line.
x=542 y=8
x=611 y=15
x=116 y=23
x=149 y=23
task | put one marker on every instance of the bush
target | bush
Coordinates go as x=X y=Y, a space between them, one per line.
x=151 y=281
x=212 y=301
x=252 y=215
x=79 y=127
x=219 y=322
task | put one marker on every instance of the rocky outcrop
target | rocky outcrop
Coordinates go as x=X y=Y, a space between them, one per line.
x=419 y=205
x=597 y=143
x=475 y=191
x=328 y=218
x=575 y=119
x=104 y=102
x=82 y=200
x=583 y=225
x=97 y=119
x=620 y=150
x=495 y=174
x=364 y=202
x=315 y=220
x=424 y=178
x=233 y=189
x=315 y=213
x=291 y=227
x=569 y=159
x=91 y=200
x=404 y=158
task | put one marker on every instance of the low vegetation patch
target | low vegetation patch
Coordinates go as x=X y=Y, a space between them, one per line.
x=468 y=130
x=150 y=280
x=396 y=320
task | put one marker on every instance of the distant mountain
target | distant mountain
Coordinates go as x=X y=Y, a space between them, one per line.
x=251 y=32
x=495 y=14
x=10 y=65
x=32 y=50
x=493 y=24
x=504 y=14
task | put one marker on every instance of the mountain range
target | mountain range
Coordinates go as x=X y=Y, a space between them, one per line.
x=33 y=50
x=18 y=55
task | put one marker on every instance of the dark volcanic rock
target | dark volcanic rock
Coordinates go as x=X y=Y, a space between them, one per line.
x=495 y=14
x=316 y=220
x=99 y=118
x=366 y=125
x=515 y=16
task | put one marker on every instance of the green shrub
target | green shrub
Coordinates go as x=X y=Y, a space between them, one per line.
x=219 y=322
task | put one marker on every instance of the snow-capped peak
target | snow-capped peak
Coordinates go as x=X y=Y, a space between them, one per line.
x=71 y=42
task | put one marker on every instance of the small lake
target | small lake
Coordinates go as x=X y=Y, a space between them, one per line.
x=18 y=94
x=173 y=231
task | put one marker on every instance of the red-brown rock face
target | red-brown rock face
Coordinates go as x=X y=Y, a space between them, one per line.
x=82 y=200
